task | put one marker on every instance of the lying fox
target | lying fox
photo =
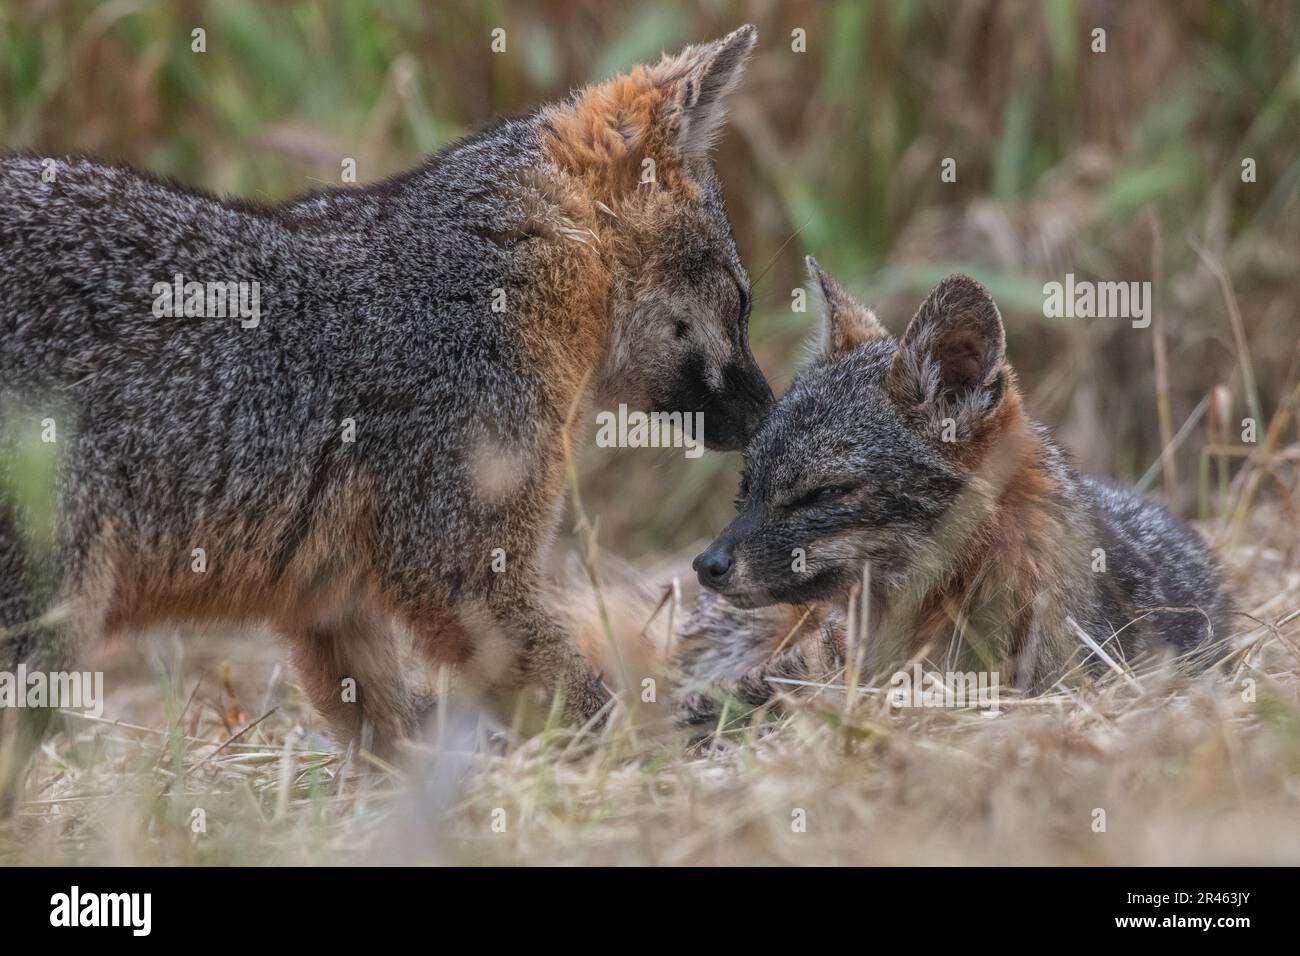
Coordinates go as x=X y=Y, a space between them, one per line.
x=916 y=459
x=374 y=461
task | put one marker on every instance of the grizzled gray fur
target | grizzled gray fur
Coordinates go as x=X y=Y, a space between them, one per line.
x=374 y=462
x=985 y=547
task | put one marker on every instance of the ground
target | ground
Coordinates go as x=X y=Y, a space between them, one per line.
x=1179 y=770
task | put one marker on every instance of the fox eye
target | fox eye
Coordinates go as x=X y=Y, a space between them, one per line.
x=682 y=328
x=820 y=495
x=743 y=494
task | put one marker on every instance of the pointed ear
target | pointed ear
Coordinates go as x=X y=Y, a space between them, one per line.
x=697 y=82
x=954 y=348
x=846 y=323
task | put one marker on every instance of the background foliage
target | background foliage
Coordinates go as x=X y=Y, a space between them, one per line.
x=1114 y=165
x=1123 y=165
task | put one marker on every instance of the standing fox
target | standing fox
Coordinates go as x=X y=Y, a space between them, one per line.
x=916 y=458
x=370 y=455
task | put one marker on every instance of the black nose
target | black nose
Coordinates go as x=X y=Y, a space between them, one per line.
x=713 y=568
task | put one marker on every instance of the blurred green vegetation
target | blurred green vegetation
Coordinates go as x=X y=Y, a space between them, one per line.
x=30 y=446
x=1067 y=160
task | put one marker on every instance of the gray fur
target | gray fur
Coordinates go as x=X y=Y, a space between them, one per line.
x=850 y=467
x=376 y=306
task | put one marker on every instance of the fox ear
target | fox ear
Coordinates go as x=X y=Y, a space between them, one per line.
x=846 y=323
x=698 y=80
x=954 y=349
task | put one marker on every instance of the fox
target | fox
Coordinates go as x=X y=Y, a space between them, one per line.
x=903 y=477
x=368 y=454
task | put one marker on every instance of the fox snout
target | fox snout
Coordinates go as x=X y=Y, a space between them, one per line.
x=753 y=399
x=733 y=413
x=718 y=570
x=714 y=567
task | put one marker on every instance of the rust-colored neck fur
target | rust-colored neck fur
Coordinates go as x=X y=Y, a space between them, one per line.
x=999 y=562
x=597 y=146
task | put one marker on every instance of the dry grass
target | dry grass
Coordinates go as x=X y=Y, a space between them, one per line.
x=1125 y=165
x=1187 y=770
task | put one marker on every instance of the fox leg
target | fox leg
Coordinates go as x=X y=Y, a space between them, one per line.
x=21 y=729
x=549 y=657
x=356 y=671
x=24 y=640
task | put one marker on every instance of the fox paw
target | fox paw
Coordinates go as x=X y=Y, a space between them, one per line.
x=585 y=697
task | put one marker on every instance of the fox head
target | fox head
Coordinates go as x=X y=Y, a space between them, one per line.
x=876 y=454
x=680 y=298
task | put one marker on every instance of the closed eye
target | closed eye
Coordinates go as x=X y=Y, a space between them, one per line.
x=743 y=494
x=819 y=496
x=743 y=297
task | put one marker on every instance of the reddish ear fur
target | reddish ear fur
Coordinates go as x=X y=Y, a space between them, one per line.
x=846 y=323
x=670 y=113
